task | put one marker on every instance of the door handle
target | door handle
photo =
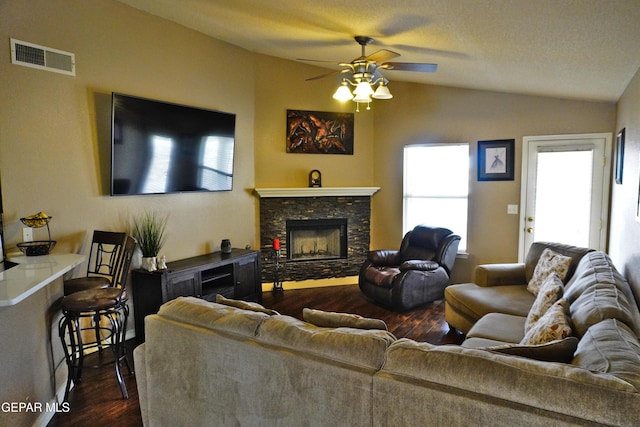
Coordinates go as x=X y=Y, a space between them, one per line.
x=530 y=230
x=530 y=219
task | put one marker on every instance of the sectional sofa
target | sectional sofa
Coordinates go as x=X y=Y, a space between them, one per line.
x=238 y=364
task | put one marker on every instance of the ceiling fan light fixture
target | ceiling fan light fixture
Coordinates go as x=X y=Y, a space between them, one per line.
x=363 y=89
x=343 y=93
x=382 y=92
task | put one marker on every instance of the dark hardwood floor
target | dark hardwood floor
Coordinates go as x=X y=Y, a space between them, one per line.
x=425 y=324
x=97 y=401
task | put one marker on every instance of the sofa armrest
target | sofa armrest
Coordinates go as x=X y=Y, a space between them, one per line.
x=384 y=258
x=500 y=274
x=139 y=360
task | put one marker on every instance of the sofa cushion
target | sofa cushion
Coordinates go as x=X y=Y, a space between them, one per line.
x=245 y=305
x=338 y=320
x=505 y=328
x=610 y=347
x=359 y=347
x=210 y=315
x=600 y=301
x=552 y=351
x=548 y=263
x=548 y=294
x=553 y=325
x=597 y=268
x=475 y=301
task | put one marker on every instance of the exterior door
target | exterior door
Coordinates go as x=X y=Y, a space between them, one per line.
x=565 y=190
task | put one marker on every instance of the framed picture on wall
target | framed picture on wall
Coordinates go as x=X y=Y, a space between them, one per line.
x=319 y=132
x=619 y=156
x=496 y=160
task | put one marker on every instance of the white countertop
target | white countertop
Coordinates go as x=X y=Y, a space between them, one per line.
x=32 y=274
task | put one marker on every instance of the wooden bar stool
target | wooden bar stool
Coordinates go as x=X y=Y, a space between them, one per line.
x=108 y=308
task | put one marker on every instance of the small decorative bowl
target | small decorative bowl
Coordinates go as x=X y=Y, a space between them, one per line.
x=37 y=247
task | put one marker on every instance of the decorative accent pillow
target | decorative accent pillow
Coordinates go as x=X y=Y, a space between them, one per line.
x=341 y=320
x=244 y=305
x=554 y=351
x=548 y=262
x=550 y=292
x=553 y=325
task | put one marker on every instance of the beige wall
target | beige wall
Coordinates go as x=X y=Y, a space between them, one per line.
x=54 y=149
x=419 y=114
x=55 y=129
x=624 y=240
x=280 y=86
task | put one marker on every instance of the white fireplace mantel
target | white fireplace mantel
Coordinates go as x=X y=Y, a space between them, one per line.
x=316 y=191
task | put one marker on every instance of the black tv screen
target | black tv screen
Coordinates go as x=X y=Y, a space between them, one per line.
x=159 y=147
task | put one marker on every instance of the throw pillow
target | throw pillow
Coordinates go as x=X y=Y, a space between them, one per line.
x=548 y=262
x=553 y=325
x=550 y=292
x=553 y=351
x=341 y=320
x=244 y=305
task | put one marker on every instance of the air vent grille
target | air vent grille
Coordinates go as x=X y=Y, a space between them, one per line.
x=43 y=58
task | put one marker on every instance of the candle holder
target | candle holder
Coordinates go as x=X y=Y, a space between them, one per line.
x=278 y=272
x=278 y=267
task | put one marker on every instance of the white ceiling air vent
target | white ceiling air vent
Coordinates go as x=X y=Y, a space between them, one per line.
x=43 y=58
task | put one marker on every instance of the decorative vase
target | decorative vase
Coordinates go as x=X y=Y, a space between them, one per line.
x=149 y=263
x=225 y=246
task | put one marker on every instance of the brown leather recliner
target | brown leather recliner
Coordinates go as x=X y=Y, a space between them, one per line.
x=415 y=274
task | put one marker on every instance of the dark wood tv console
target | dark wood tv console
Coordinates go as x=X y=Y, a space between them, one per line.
x=234 y=275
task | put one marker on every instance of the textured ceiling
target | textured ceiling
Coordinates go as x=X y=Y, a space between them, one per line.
x=585 y=49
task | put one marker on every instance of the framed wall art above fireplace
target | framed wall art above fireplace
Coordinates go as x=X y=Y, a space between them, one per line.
x=318 y=132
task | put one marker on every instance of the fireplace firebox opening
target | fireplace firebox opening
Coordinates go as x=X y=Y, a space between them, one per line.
x=315 y=239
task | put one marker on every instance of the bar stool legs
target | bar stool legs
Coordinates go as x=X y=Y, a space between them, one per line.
x=70 y=326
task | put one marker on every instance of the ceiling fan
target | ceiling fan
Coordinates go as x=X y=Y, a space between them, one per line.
x=364 y=73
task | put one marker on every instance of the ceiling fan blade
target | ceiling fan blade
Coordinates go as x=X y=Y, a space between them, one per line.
x=322 y=76
x=410 y=66
x=382 y=55
x=314 y=60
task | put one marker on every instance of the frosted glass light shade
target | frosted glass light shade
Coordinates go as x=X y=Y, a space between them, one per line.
x=382 y=92
x=362 y=98
x=364 y=89
x=343 y=94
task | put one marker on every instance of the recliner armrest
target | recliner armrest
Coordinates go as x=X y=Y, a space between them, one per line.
x=500 y=274
x=418 y=264
x=383 y=257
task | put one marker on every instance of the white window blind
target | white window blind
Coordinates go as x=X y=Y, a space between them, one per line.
x=436 y=187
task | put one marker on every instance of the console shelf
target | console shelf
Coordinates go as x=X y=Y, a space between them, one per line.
x=234 y=275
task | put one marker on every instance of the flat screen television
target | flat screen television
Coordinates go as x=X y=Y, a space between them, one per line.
x=159 y=147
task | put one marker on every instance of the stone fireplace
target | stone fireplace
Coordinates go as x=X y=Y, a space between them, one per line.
x=323 y=232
